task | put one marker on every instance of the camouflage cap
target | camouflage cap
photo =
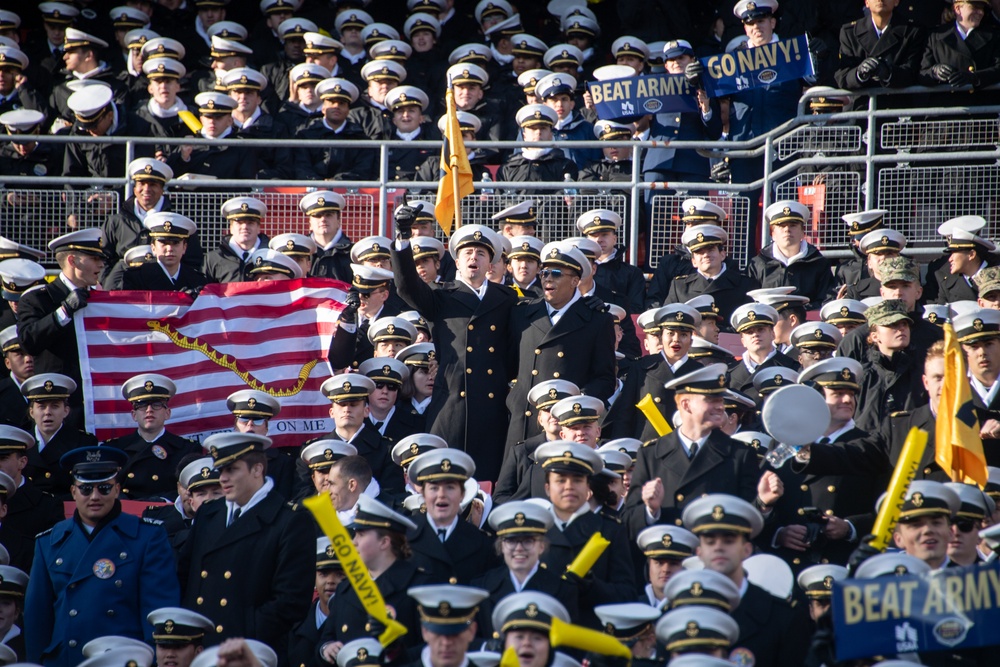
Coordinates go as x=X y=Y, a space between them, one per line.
x=887 y=312
x=987 y=280
x=899 y=268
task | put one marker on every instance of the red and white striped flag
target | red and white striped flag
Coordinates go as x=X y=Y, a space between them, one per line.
x=272 y=336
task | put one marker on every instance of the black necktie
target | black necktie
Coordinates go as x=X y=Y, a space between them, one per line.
x=823 y=441
x=236 y=515
x=442 y=533
x=693 y=450
x=246 y=256
x=552 y=316
x=378 y=427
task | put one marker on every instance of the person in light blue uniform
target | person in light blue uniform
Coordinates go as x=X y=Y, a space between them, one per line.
x=99 y=572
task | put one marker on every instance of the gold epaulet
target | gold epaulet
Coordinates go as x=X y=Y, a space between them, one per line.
x=650 y=442
x=680 y=277
x=900 y=413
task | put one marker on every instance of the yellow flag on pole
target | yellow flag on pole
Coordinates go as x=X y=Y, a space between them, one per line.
x=456 y=172
x=958 y=448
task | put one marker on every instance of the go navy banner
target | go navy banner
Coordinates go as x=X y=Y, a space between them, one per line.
x=950 y=609
x=641 y=95
x=743 y=69
x=725 y=74
x=271 y=336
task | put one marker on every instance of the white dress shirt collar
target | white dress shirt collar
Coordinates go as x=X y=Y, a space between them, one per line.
x=254 y=500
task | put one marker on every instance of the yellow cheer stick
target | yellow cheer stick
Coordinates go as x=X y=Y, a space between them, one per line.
x=190 y=120
x=585 y=639
x=653 y=414
x=906 y=469
x=588 y=555
x=356 y=571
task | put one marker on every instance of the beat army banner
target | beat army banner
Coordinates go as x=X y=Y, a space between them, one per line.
x=950 y=609
x=641 y=95
x=743 y=69
x=725 y=74
x=270 y=336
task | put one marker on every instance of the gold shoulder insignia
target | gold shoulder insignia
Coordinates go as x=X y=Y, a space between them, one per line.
x=900 y=413
x=682 y=277
x=649 y=442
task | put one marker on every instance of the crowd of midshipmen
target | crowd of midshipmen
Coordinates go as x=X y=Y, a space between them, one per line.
x=496 y=359
x=516 y=371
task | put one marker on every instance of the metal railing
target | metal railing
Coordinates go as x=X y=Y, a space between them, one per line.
x=923 y=165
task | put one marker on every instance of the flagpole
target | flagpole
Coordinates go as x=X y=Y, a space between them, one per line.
x=453 y=156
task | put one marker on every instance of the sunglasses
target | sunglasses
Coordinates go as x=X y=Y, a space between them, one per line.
x=965 y=525
x=386 y=385
x=87 y=490
x=553 y=273
x=255 y=422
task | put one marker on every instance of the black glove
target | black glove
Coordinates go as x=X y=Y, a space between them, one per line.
x=864 y=551
x=883 y=73
x=818 y=48
x=192 y=292
x=963 y=78
x=351 y=306
x=693 y=73
x=943 y=72
x=585 y=582
x=866 y=69
x=595 y=303
x=720 y=172
x=374 y=627
x=405 y=216
x=75 y=300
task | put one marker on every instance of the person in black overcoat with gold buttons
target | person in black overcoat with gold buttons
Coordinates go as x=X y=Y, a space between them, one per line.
x=153 y=452
x=380 y=538
x=695 y=459
x=248 y=564
x=560 y=337
x=48 y=404
x=520 y=529
x=568 y=467
x=676 y=323
x=449 y=548
x=471 y=324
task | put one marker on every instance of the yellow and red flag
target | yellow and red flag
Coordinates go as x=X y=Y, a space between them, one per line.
x=958 y=448
x=456 y=172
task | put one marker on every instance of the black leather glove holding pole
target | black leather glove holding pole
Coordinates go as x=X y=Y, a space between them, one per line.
x=352 y=304
x=75 y=300
x=405 y=216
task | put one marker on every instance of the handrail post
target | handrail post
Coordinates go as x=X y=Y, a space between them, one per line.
x=870 y=152
x=634 y=206
x=383 y=194
x=765 y=230
x=129 y=156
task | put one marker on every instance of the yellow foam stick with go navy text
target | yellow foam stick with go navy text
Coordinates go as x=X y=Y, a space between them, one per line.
x=355 y=569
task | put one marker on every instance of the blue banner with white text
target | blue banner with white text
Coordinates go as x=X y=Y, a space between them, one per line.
x=627 y=99
x=946 y=610
x=743 y=69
